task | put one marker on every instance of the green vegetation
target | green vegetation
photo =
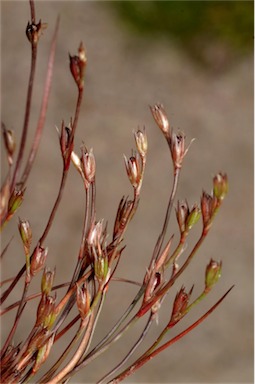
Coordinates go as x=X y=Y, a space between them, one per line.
x=194 y=25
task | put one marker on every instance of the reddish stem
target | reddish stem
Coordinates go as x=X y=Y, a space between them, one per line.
x=28 y=105
x=44 y=106
x=140 y=362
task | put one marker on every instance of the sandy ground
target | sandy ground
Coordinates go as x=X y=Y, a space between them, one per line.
x=124 y=76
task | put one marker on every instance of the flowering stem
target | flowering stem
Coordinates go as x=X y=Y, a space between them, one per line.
x=171 y=324
x=55 y=207
x=167 y=286
x=28 y=105
x=104 y=341
x=20 y=309
x=91 y=333
x=87 y=322
x=41 y=121
x=83 y=240
x=149 y=355
x=78 y=334
x=54 y=368
x=102 y=347
x=84 y=343
x=132 y=350
x=161 y=237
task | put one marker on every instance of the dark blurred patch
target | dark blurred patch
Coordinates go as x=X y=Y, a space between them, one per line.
x=214 y=33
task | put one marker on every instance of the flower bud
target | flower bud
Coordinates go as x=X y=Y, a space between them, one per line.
x=141 y=142
x=77 y=163
x=83 y=301
x=38 y=259
x=193 y=217
x=9 y=141
x=78 y=65
x=133 y=169
x=89 y=165
x=65 y=138
x=15 y=201
x=122 y=217
x=180 y=305
x=4 y=199
x=208 y=206
x=34 y=31
x=101 y=268
x=212 y=274
x=182 y=212
x=25 y=233
x=177 y=148
x=47 y=280
x=46 y=311
x=160 y=118
x=95 y=234
x=43 y=354
x=220 y=186
x=66 y=144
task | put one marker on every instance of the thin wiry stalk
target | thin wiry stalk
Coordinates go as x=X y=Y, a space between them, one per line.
x=161 y=237
x=20 y=309
x=115 y=327
x=78 y=353
x=32 y=10
x=60 y=360
x=87 y=214
x=132 y=350
x=45 y=100
x=28 y=104
x=146 y=357
x=67 y=377
x=30 y=297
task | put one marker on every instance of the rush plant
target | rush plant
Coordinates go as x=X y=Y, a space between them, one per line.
x=100 y=250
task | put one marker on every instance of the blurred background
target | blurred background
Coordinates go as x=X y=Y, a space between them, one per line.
x=197 y=59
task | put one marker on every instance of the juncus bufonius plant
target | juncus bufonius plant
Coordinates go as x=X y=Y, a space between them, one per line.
x=100 y=250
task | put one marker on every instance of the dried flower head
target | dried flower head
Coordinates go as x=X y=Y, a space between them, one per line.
x=141 y=142
x=38 y=259
x=78 y=65
x=160 y=118
x=177 y=148
x=47 y=280
x=10 y=143
x=180 y=305
x=133 y=169
x=88 y=165
x=34 y=31
x=83 y=300
x=25 y=233
x=208 y=208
